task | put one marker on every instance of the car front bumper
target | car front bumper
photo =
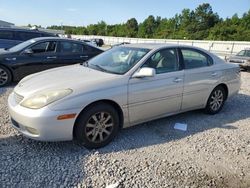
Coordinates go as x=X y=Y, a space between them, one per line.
x=244 y=66
x=41 y=124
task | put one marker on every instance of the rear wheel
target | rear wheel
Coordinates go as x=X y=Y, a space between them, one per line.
x=216 y=100
x=5 y=76
x=97 y=126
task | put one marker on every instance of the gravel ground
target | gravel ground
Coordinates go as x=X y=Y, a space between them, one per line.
x=213 y=152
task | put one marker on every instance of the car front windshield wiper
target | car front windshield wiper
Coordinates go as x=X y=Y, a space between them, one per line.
x=101 y=68
x=85 y=63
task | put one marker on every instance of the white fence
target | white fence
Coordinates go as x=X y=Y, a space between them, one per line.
x=221 y=48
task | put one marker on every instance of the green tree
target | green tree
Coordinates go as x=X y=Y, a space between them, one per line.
x=148 y=27
x=204 y=19
x=199 y=24
x=132 y=27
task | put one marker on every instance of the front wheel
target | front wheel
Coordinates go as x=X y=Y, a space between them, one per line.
x=5 y=76
x=216 y=100
x=97 y=126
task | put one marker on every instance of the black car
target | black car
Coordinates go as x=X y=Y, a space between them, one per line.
x=40 y=54
x=10 y=37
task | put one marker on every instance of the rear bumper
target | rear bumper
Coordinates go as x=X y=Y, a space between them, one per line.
x=40 y=124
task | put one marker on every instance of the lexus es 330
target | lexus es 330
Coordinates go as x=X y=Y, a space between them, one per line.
x=121 y=87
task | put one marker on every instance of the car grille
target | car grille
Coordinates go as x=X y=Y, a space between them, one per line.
x=236 y=61
x=18 y=98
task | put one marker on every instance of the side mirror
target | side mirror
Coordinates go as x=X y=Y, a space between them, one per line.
x=144 y=72
x=28 y=51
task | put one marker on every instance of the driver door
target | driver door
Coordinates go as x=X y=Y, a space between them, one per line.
x=43 y=56
x=160 y=95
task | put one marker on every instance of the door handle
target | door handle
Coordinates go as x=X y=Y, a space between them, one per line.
x=84 y=56
x=51 y=57
x=214 y=74
x=177 y=80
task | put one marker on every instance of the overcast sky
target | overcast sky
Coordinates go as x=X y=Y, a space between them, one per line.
x=84 y=12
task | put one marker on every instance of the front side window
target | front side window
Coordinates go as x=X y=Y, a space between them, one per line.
x=118 y=60
x=194 y=59
x=44 y=47
x=163 y=61
x=70 y=47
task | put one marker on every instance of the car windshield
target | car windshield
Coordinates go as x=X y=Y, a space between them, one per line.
x=248 y=53
x=241 y=53
x=22 y=45
x=118 y=60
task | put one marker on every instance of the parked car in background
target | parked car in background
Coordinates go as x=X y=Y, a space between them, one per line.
x=119 y=44
x=242 y=59
x=98 y=42
x=121 y=87
x=40 y=54
x=92 y=43
x=10 y=37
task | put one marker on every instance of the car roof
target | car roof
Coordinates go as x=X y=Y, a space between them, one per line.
x=55 y=38
x=62 y=39
x=24 y=30
x=152 y=46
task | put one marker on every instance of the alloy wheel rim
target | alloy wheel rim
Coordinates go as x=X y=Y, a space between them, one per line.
x=3 y=77
x=99 y=127
x=216 y=100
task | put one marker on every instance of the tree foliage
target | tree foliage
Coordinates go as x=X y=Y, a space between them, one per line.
x=132 y=27
x=199 y=24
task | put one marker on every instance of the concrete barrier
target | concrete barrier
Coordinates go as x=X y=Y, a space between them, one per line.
x=221 y=48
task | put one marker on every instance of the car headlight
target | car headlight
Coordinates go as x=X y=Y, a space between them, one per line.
x=247 y=62
x=43 y=99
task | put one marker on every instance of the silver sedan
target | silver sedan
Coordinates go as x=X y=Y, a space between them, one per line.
x=124 y=86
x=242 y=59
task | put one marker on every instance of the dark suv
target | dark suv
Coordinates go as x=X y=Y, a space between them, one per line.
x=10 y=37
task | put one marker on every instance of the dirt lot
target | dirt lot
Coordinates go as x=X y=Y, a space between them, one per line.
x=213 y=152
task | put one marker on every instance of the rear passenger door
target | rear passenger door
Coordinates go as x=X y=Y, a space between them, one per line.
x=71 y=53
x=91 y=51
x=199 y=78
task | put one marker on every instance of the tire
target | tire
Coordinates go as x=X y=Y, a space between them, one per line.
x=216 y=100
x=5 y=76
x=97 y=126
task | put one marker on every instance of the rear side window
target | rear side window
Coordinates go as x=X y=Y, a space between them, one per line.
x=195 y=59
x=91 y=49
x=70 y=47
x=23 y=36
x=7 y=35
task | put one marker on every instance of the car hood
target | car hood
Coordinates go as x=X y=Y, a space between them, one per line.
x=5 y=52
x=240 y=58
x=76 y=77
